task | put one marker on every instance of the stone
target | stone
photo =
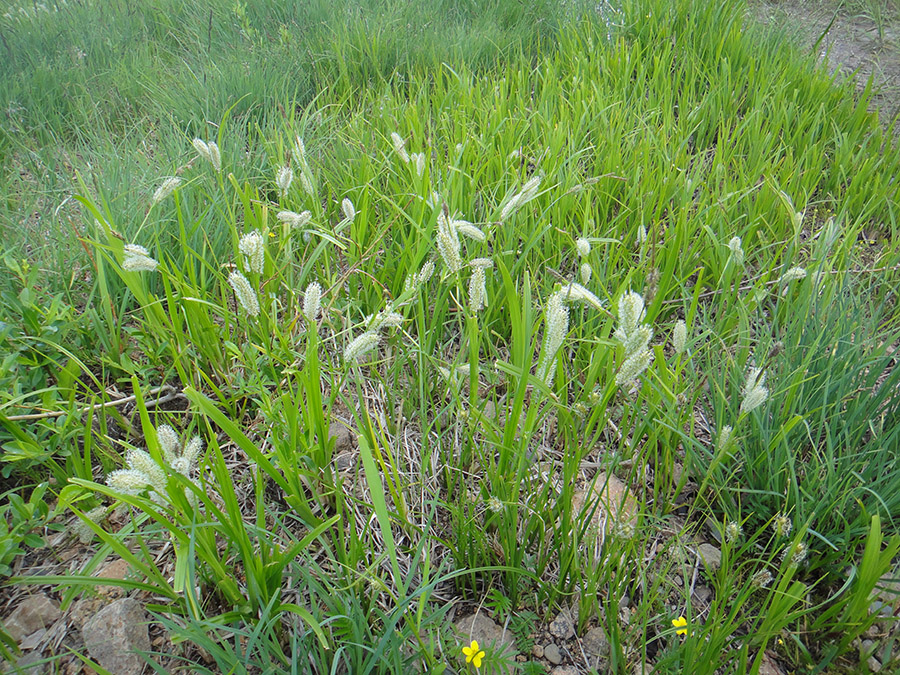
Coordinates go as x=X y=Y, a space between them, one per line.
x=703 y=594
x=537 y=652
x=31 y=664
x=616 y=508
x=551 y=653
x=874 y=664
x=768 y=666
x=564 y=670
x=342 y=437
x=114 y=569
x=711 y=556
x=562 y=626
x=489 y=635
x=114 y=635
x=33 y=613
x=595 y=644
x=642 y=669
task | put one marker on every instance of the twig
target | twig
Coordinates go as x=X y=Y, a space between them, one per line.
x=169 y=394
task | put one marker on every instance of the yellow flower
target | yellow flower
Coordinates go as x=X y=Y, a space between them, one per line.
x=474 y=654
x=680 y=625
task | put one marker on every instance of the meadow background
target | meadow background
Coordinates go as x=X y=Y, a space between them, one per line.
x=546 y=311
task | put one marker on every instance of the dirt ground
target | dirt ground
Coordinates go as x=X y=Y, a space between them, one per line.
x=854 y=42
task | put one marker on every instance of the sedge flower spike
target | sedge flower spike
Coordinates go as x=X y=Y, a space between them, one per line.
x=679 y=336
x=284 y=179
x=400 y=147
x=467 y=229
x=635 y=337
x=348 y=210
x=477 y=290
x=793 y=274
x=294 y=220
x=209 y=152
x=737 y=253
x=556 y=327
x=253 y=247
x=306 y=184
x=583 y=246
x=244 y=293
x=137 y=259
x=754 y=393
x=526 y=194
x=577 y=293
x=168 y=186
x=586 y=271
x=361 y=346
x=312 y=301
x=448 y=243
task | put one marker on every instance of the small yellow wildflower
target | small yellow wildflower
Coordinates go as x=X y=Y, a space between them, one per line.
x=680 y=625
x=474 y=654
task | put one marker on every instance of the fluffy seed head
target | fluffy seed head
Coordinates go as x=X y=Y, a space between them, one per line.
x=192 y=450
x=583 y=246
x=733 y=532
x=448 y=243
x=245 y=294
x=754 y=392
x=137 y=259
x=306 y=183
x=631 y=312
x=633 y=367
x=781 y=525
x=284 y=179
x=168 y=441
x=361 y=346
x=400 y=147
x=142 y=462
x=296 y=220
x=84 y=533
x=202 y=149
x=556 y=327
x=737 y=253
x=168 y=186
x=467 y=229
x=348 y=209
x=577 y=293
x=723 y=444
x=679 y=336
x=761 y=579
x=586 y=271
x=215 y=158
x=384 y=320
x=494 y=504
x=312 y=300
x=252 y=246
x=793 y=274
x=477 y=290
x=127 y=481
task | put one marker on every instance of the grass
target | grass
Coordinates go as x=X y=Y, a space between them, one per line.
x=520 y=443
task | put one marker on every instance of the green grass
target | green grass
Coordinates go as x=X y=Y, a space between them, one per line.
x=660 y=133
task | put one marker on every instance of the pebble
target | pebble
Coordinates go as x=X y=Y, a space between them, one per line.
x=595 y=643
x=551 y=653
x=33 y=613
x=115 y=634
x=562 y=627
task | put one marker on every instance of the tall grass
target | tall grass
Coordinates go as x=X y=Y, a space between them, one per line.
x=656 y=156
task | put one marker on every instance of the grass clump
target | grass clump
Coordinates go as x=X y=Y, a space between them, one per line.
x=552 y=326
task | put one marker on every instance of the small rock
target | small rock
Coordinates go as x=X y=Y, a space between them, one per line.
x=115 y=569
x=703 y=594
x=874 y=664
x=115 y=633
x=342 y=437
x=32 y=614
x=344 y=461
x=562 y=626
x=615 y=506
x=564 y=670
x=711 y=556
x=624 y=602
x=677 y=580
x=595 y=644
x=642 y=669
x=537 y=652
x=551 y=653
x=31 y=664
x=768 y=666
x=867 y=648
x=488 y=634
